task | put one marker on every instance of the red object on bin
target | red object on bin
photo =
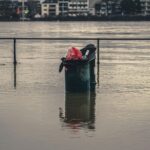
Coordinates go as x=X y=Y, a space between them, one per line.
x=74 y=54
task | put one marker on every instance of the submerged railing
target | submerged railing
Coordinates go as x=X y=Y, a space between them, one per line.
x=97 y=40
x=71 y=39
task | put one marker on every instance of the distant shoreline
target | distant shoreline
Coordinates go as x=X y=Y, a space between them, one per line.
x=84 y=18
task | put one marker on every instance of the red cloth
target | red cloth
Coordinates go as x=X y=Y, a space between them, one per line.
x=74 y=54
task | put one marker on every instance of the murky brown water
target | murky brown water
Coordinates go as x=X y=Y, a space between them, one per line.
x=38 y=115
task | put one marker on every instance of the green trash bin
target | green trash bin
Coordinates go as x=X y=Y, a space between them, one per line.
x=79 y=110
x=80 y=74
x=91 y=57
x=77 y=75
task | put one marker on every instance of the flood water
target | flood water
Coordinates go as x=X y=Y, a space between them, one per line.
x=37 y=114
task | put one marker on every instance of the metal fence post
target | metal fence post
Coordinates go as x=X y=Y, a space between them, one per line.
x=15 y=76
x=98 y=50
x=15 y=59
x=98 y=60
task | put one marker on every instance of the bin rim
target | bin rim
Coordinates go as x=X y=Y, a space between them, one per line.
x=75 y=62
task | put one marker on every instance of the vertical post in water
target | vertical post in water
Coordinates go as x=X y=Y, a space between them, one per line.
x=15 y=76
x=98 y=59
x=98 y=51
x=15 y=60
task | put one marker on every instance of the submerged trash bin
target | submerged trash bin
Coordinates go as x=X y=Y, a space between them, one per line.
x=79 y=71
x=89 y=52
x=79 y=111
x=77 y=75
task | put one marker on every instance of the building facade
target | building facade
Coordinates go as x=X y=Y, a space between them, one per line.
x=63 y=7
x=50 y=8
x=78 y=7
x=105 y=8
x=88 y=7
x=145 y=7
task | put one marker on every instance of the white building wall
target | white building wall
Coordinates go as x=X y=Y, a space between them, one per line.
x=57 y=9
x=48 y=9
x=79 y=7
x=45 y=9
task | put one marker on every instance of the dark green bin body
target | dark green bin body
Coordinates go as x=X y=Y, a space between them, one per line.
x=77 y=76
x=92 y=75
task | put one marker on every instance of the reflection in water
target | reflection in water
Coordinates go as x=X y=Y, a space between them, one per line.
x=98 y=73
x=79 y=111
x=15 y=76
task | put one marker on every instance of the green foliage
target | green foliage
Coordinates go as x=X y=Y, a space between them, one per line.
x=97 y=6
x=128 y=6
x=6 y=8
x=138 y=6
x=131 y=6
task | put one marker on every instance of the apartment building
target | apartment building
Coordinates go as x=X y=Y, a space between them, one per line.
x=78 y=7
x=145 y=7
x=63 y=7
x=105 y=8
x=50 y=8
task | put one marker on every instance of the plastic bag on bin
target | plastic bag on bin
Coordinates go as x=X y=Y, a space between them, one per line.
x=74 y=54
x=86 y=53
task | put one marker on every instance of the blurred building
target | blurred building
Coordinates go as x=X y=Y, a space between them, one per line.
x=7 y=9
x=50 y=8
x=145 y=7
x=93 y=2
x=78 y=7
x=63 y=7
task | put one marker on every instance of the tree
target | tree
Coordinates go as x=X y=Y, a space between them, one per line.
x=34 y=7
x=116 y=9
x=97 y=8
x=109 y=6
x=138 y=6
x=128 y=7
x=6 y=8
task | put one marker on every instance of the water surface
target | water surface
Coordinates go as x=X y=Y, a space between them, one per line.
x=35 y=111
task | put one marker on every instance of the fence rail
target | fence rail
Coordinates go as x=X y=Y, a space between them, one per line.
x=97 y=40
x=15 y=39
x=47 y=38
